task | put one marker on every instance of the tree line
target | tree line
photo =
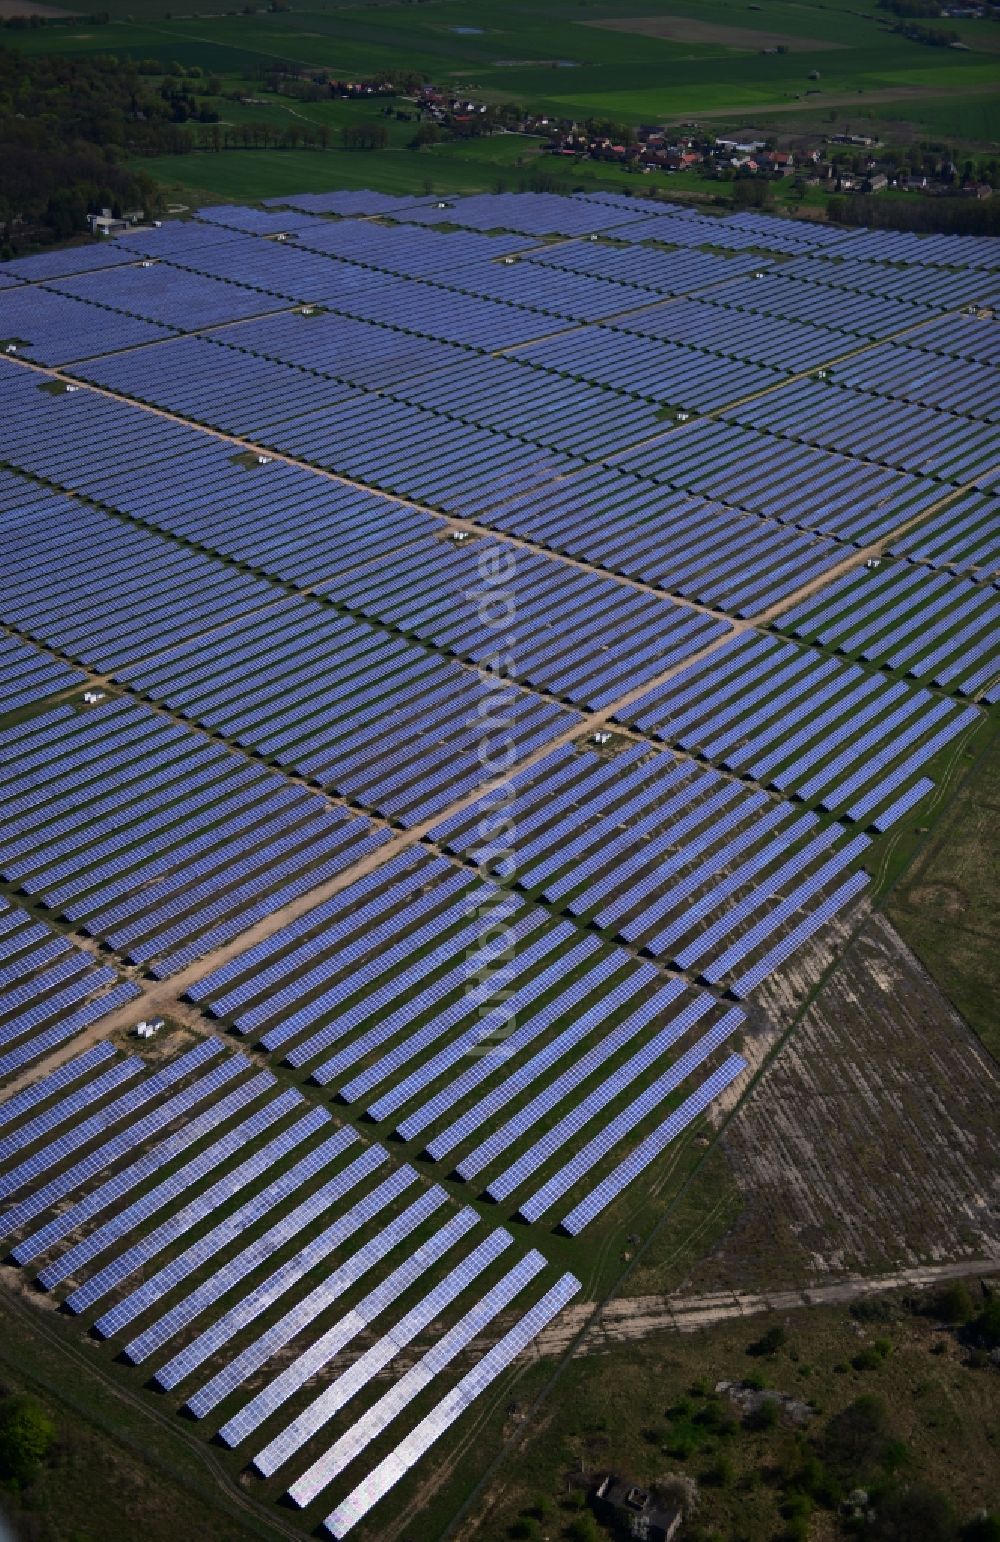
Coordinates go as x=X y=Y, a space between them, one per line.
x=940 y=216
x=933 y=37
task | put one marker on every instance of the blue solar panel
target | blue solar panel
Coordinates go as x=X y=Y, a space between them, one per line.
x=673 y=429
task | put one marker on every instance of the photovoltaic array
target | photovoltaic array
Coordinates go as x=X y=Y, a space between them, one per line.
x=296 y=499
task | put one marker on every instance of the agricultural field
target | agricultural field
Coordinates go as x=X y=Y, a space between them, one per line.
x=781 y=68
x=484 y=676
x=439 y=169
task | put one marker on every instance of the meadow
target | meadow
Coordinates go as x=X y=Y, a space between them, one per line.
x=479 y=166
x=627 y=61
x=573 y=58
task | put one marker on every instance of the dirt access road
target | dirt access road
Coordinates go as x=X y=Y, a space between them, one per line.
x=637 y=1317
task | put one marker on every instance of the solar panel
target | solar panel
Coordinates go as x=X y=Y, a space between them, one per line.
x=296 y=1318
x=257 y=507
x=492 y=1365
x=380 y=1414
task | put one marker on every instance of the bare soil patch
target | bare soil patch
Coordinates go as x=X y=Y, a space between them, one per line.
x=942 y=899
x=687 y=29
x=870 y=1143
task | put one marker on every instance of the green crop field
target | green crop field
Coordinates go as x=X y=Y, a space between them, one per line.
x=633 y=59
x=630 y=61
x=471 y=168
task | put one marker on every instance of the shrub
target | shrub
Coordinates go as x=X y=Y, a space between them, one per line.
x=985 y=1329
x=855 y=1440
x=897 y=1455
x=904 y=1512
x=954 y=1304
x=796 y=1507
x=680 y=1444
x=26 y=1436
x=797 y=1530
x=765 y=1417
x=770 y=1342
x=983 y=1528
x=813 y=1479
x=720 y=1474
x=881 y=1310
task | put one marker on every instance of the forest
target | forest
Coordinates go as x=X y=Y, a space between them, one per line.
x=67 y=127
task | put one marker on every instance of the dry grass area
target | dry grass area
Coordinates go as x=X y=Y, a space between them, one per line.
x=870 y=1143
x=644 y=1410
x=774 y=1006
x=688 y=29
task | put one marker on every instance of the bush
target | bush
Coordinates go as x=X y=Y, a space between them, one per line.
x=720 y=1474
x=854 y=1443
x=867 y=1360
x=897 y=1455
x=680 y=1444
x=985 y=1329
x=26 y=1436
x=813 y=1479
x=797 y=1530
x=769 y=1343
x=765 y=1417
x=984 y=1528
x=953 y=1305
x=879 y=1310
x=914 y=1510
x=797 y=1507
x=583 y=1528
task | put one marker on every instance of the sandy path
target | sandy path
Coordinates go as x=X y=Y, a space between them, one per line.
x=636 y=1317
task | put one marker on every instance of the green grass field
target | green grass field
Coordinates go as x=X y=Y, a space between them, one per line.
x=632 y=61
x=254 y=174
x=572 y=58
x=946 y=908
